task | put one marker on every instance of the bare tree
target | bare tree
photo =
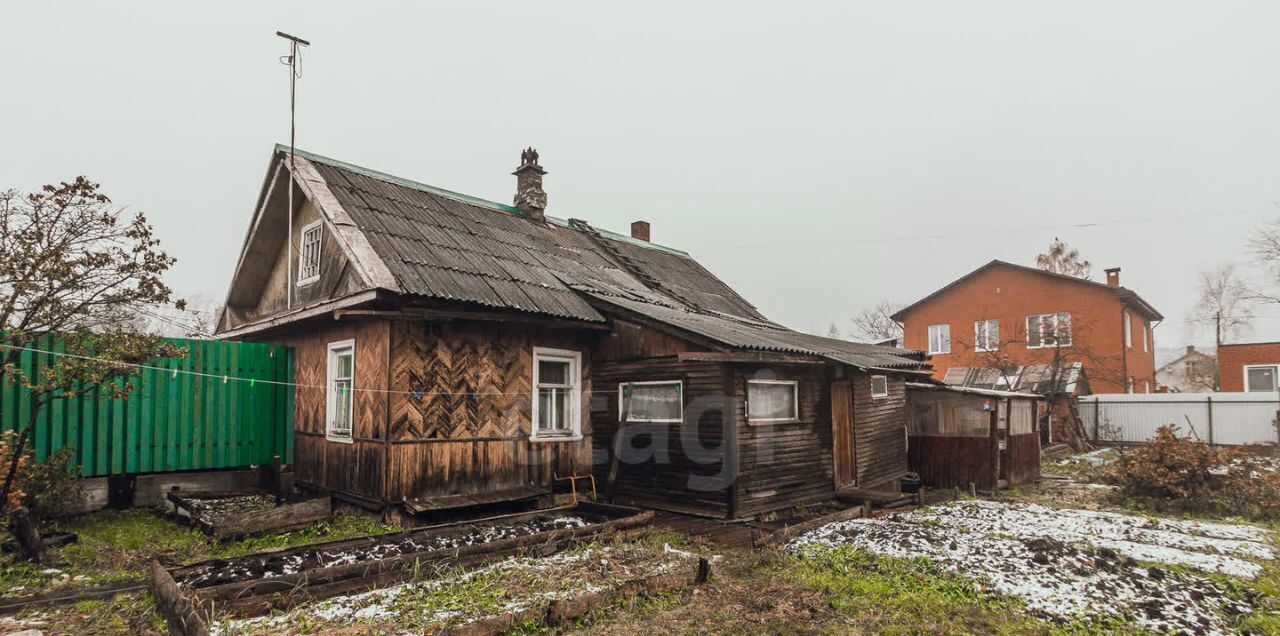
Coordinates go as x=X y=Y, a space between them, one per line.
x=834 y=332
x=1265 y=246
x=1063 y=259
x=74 y=267
x=875 y=324
x=1225 y=303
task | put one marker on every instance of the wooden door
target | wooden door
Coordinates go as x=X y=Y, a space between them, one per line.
x=842 y=447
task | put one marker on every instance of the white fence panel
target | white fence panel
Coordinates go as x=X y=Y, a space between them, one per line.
x=1220 y=418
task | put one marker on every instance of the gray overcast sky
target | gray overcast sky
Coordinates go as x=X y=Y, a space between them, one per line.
x=819 y=157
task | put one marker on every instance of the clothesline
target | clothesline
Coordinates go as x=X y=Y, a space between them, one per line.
x=228 y=378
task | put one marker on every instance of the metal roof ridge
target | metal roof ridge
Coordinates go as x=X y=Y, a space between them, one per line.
x=465 y=198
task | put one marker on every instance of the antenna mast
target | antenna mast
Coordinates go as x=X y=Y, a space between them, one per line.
x=294 y=62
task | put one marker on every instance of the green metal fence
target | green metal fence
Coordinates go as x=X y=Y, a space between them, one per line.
x=170 y=421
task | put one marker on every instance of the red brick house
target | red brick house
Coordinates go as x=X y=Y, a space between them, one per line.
x=1006 y=315
x=1249 y=366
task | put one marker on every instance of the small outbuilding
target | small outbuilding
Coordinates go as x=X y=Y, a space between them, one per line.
x=958 y=436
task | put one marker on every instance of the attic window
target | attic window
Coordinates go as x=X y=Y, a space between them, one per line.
x=309 y=253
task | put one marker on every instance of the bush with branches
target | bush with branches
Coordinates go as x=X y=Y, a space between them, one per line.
x=1190 y=475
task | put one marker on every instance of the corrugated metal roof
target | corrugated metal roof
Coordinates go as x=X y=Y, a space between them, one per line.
x=441 y=244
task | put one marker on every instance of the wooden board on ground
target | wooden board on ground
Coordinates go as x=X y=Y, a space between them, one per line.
x=285 y=516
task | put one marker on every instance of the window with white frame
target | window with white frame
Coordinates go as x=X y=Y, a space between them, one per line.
x=986 y=335
x=309 y=253
x=1260 y=378
x=1049 y=330
x=1128 y=330
x=340 y=391
x=939 y=339
x=773 y=400
x=1146 y=340
x=879 y=386
x=660 y=401
x=557 y=382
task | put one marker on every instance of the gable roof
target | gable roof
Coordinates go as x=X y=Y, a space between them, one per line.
x=437 y=244
x=1124 y=294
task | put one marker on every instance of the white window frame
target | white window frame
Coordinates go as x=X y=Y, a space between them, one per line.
x=979 y=337
x=1275 y=376
x=574 y=358
x=883 y=394
x=1146 y=340
x=629 y=419
x=336 y=349
x=1056 y=317
x=318 y=227
x=929 y=334
x=1128 y=330
x=795 y=402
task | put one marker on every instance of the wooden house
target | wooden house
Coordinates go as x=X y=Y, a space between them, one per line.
x=453 y=351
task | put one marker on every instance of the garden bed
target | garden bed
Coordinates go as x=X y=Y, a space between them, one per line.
x=258 y=583
x=230 y=515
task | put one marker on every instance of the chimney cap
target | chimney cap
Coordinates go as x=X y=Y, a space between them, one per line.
x=1112 y=270
x=529 y=161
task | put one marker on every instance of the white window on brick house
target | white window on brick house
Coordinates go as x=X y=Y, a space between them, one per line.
x=1128 y=331
x=773 y=400
x=939 y=339
x=557 y=382
x=340 y=391
x=1049 y=330
x=1146 y=337
x=1260 y=378
x=309 y=253
x=879 y=386
x=661 y=401
x=986 y=335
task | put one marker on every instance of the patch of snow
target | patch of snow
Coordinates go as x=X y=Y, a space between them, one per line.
x=1070 y=563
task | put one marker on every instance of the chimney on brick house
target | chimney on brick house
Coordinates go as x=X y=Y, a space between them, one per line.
x=530 y=198
x=640 y=230
x=1191 y=349
x=1113 y=276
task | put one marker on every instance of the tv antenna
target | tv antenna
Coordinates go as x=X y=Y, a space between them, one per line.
x=294 y=61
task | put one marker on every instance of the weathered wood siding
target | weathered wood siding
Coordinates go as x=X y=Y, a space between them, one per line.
x=879 y=427
x=666 y=465
x=953 y=461
x=1022 y=459
x=784 y=464
x=448 y=441
x=357 y=467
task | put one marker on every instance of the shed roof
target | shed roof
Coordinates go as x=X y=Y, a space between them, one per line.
x=929 y=386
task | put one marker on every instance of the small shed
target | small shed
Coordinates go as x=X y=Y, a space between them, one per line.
x=957 y=436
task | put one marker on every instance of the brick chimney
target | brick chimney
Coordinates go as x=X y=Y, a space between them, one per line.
x=530 y=197
x=640 y=230
x=1191 y=348
x=1113 y=276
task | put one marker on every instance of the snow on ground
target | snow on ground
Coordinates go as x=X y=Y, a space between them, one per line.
x=565 y=575
x=1071 y=563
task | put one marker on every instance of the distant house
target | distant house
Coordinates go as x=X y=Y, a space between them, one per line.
x=1249 y=366
x=1191 y=372
x=1003 y=315
x=453 y=351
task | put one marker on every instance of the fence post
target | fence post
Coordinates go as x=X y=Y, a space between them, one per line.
x=1096 y=419
x=1208 y=400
